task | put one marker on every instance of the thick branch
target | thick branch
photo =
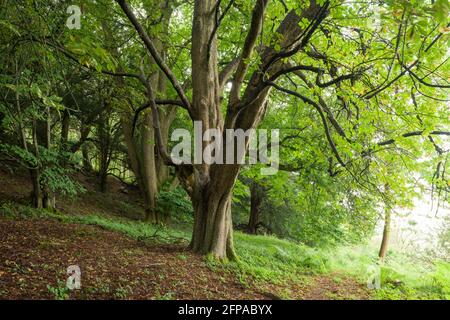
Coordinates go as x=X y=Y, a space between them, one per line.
x=250 y=110
x=157 y=128
x=252 y=36
x=227 y=72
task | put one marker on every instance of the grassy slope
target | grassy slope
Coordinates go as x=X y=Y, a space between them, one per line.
x=275 y=264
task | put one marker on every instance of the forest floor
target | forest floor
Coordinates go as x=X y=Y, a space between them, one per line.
x=117 y=262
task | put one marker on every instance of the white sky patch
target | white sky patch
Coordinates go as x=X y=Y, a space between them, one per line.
x=415 y=228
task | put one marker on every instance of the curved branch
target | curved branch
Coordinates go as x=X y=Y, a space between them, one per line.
x=157 y=128
x=147 y=105
x=320 y=15
x=322 y=117
x=426 y=83
x=413 y=134
x=154 y=53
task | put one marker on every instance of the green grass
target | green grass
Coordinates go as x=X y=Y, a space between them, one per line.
x=135 y=229
x=270 y=259
x=401 y=276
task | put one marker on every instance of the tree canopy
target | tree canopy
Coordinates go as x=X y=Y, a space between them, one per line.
x=359 y=91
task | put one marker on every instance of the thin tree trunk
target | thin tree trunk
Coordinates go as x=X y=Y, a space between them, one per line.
x=141 y=166
x=65 y=126
x=255 y=208
x=43 y=132
x=141 y=149
x=103 y=169
x=149 y=169
x=104 y=136
x=87 y=166
x=386 y=234
x=35 y=173
x=166 y=119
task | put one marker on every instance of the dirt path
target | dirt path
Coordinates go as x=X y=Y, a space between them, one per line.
x=335 y=287
x=35 y=254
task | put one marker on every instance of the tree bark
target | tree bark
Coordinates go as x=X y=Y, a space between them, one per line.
x=36 y=197
x=148 y=164
x=43 y=134
x=150 y=171
x=213 y=228
x=166 y=119
x=35 y=172
x=256 y=197
x=104 y=135
x=212 y=232
x=142 y=159
x=65 y=126
x=213 y=184
x=386 y=234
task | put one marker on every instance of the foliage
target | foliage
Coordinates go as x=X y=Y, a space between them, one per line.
x=138 y=230
x=175 y=203
x=441 y=278
x=57 y=168
x=401 y=277
x=275 y=260
x=61 y=292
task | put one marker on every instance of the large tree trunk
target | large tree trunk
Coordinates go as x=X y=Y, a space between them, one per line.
x=211 y=201
x=213 y=184
x=213 y=227
x=213 y=230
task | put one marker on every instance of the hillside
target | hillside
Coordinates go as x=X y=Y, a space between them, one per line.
x=121 y=258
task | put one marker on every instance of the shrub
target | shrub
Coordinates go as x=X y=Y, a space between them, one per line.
x=176 y=204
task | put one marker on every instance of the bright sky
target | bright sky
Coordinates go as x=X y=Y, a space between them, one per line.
x=417 y=227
